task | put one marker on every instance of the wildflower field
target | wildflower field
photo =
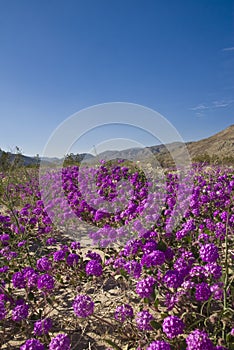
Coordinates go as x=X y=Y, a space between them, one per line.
x=158 y=273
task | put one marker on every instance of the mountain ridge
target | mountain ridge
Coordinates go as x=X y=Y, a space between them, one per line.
x=220 y=145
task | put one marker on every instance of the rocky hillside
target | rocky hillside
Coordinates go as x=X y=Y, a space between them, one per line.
x=217 y=147
x=220 y=144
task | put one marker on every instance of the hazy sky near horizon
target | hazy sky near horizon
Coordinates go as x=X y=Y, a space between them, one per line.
x=58 y=57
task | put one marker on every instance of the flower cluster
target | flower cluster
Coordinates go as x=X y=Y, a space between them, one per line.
x=145 y=287
x=159 y=345
x=209 y=253
x=20 y=312
x=32 y=344
x=43 y=264
x=203 y=291
x=45 y=282
x=123 y=312
x=153 y=259
x=199 y=340
x=72 y=259
x=83 y=306
x=94 y=268
x=43 y=326
x=173 y=326
x=60 y=342
x=173 y=279
x=143 y=320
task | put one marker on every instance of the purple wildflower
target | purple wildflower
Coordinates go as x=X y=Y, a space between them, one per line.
x=32 y=280
x=173 y=326
x=172 y=279
x=187 y=285
x=149 y=246
x=32 y=344
x=18 y=280
x=132 y=247
x=123 y=312
x=93 y=267
x=75 y=245
x=2 y=310
x=51 y=241
x=20 y=312
x=4 y=237
x=72 y=259
x=45 y=282
x=60 y=342
x=159 y=345
x=198 y=271
x=198 y=340
x=119 y=263
x=183 y=266
x=21 y=243
x=204 y=236
x=83 y=306
x=171 y=300
x=133 y=268
x=42 y=326
x=209 y=253
x=214 y=269
x=94 y=256
x=4 y=269
x=203 y=292
x=59 y=255
x=145 y=287
x=143 y=320
x=28 y=271
x=43 y=264
x=217 y=291
x=156 y=258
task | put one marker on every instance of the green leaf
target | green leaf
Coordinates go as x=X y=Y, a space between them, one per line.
x=35 y=317
x=156 y=292
x=155 y=324
x=110 y=342
x=156 y=302
x=31 y=296
x=162 y=246
x=123 y=273
x=50 y=300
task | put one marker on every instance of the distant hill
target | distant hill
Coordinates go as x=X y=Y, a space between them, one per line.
x=33 y=161
x=218 y=146
x=24 y=160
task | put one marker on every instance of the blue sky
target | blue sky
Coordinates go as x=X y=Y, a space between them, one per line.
x=58 y=57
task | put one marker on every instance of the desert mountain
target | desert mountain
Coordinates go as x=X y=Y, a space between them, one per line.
x=219 y=146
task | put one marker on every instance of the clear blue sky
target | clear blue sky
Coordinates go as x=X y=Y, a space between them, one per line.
x=58 y=57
